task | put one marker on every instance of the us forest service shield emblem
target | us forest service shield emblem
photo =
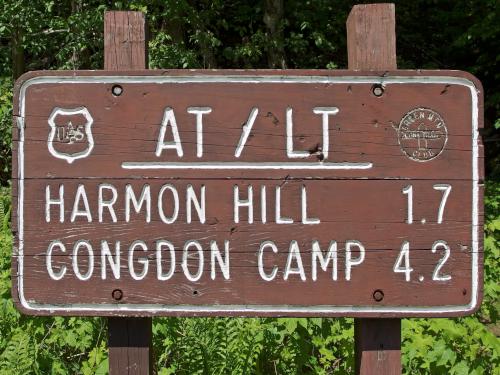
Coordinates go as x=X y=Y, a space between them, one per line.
x=70 y=136
x=422 y=134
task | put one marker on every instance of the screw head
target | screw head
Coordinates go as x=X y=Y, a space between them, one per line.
x=117 y=90
x=117 y=294
x=378 y=295
x=378 y=90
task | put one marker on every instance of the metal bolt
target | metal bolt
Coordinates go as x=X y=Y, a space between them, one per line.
x=464 y=292
x=117 y=90
x=117 y=294
x=378 y=295
x=378 y=90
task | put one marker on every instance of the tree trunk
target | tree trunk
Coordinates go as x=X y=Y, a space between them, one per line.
x=273 y=19
x=75 y=8
x=18 y=62
x=173 y=26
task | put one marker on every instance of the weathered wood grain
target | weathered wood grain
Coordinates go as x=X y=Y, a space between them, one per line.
x=378 y=346
x=130 y=341
x=371 y=37
x=371 y=44
x=367 y=205
x=377 y=219
x=125 y=44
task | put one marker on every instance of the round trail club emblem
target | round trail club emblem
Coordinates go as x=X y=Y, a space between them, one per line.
x=422 y=134
x=70 y=136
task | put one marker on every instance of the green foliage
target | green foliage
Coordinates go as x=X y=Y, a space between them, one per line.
x=5 y=128
x=254 y=346
x=491 y=306
x=431 y=34
x=451 y=346
x=67 y=34
x=51 y=34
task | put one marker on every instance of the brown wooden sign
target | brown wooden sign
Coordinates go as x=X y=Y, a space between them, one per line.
x=334 y=193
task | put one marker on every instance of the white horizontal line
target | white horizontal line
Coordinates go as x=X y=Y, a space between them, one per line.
x=242 y=165
x=249 y=309
x=251 y=79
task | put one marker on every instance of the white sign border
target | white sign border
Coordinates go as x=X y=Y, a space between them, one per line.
x=157 y=309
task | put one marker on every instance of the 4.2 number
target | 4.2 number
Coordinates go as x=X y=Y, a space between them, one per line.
x=402 y=264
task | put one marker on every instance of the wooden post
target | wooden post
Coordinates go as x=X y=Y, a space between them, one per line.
x=371 y=37
x=371 y=45
x=125 y=41
x=378 y=346
x=129 y=339
x=130 y=346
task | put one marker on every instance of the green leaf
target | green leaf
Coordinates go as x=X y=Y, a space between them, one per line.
x=460 y=368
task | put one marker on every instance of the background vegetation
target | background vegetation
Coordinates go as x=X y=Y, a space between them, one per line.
x=432 y=34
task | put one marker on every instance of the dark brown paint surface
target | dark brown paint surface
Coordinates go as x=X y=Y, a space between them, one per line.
x=366 y=205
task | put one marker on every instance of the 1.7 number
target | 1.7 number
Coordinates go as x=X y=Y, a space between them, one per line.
x=445 y=188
